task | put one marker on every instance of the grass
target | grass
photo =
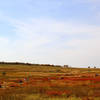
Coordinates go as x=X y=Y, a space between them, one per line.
x=48 y=83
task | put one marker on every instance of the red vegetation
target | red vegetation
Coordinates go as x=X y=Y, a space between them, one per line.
x=57 y=93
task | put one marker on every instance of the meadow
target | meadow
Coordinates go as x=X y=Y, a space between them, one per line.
x=39 y=82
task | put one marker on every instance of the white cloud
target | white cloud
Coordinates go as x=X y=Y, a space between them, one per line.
x=36 y=39
x=45 y=26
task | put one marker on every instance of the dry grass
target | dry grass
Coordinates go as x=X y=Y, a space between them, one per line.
x=48 y=83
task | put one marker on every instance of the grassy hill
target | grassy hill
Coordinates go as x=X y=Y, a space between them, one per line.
x=48 y=82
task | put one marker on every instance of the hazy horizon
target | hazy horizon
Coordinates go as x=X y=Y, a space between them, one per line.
x=50 y=32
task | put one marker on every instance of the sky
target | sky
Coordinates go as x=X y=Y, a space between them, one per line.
x=62 y=32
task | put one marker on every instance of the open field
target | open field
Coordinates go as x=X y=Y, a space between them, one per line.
x=31 y=82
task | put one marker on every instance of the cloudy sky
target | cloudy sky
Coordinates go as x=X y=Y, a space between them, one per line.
x=50 y=31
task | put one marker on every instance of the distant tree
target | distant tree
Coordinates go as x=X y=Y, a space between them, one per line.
x=88 y=66
x=94 y=66
x=66 y=66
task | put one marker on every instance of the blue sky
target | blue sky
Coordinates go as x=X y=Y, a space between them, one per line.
x=50 y=31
